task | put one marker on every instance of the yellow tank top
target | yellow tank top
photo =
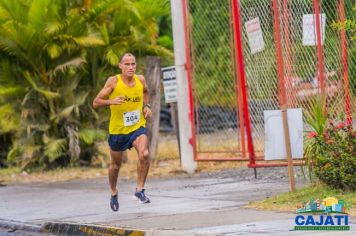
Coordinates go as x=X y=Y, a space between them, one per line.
x=128 y=116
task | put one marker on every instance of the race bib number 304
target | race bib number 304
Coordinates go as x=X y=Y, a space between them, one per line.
x=131 y=117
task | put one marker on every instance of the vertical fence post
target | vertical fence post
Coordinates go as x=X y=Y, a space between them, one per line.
x=239 y=108
x=184 y=86
x=188 y=68
x=345 y=63
x=153 y=80
x=286 y=18
x=320 y=52
x=282 y=92
x=241 y=74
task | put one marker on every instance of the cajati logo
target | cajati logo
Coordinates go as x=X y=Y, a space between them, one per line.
x=326 y=214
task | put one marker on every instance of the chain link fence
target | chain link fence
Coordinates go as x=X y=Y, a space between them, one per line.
x=213 y=76
x=215 y=89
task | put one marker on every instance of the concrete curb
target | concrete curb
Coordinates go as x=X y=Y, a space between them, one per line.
x=12 y=224
x=62 y=228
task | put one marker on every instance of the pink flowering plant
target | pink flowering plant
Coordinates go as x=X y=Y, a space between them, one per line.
x=330 y=151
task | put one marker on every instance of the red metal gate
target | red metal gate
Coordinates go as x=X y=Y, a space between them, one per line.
x=233 y=83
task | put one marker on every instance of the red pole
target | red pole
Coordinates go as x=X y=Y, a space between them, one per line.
x=241 y=119
x=241 y=73
x=240 y=111
x=345 y=69
x=286 y=17
x=188 y=67
x=319 y=48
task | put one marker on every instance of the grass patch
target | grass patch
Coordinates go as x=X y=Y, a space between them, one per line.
x=289 y=201
x=15 y=175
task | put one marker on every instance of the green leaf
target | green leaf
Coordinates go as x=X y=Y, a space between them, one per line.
x=54 y=50
x=89 y=136
x=81 y=98
x=55 y=148
x=54 y=27
x=76 y=62
x=10 y=91
x=14 y=152
x=37 y=12
x=105 y=34
x=316 y=117
x=48 y=94
x=89 y=41
x=112 y=57
x=9 y=119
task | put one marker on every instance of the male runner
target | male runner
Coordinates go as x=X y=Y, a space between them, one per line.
x=127 y=96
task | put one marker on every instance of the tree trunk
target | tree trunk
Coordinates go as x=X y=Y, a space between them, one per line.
x=153 y=78
x=74 y=147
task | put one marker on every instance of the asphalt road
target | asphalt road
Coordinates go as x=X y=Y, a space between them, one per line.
x=204 y=204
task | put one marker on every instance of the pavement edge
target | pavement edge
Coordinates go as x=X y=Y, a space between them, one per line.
x=62 y=228
x=12 y=224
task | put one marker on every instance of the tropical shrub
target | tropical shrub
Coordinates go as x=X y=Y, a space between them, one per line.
x=54 y=57
x=330 y=148
x=335 y=150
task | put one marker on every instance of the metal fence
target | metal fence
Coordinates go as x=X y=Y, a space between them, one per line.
x=309 y=70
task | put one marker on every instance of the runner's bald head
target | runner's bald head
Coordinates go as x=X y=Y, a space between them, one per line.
x=126 y=54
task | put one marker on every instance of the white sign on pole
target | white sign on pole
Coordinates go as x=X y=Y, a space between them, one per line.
x=169 y=84
x=275 y=148
x=255 y=36
x=309 y=29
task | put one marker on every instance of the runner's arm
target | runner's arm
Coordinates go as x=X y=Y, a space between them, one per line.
x=101 y=99
x=146 y=106
x=146 y=99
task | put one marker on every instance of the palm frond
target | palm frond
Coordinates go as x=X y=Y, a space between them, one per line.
x=76 y=62
x=81 y=98
x=9 y=46
x=15 y=10
x=67 y=111
x=37 y=12
x=63 y=114
x=105 y=34
x=54 y=27
x=4 y=15
x=55 y=148
x=89 y=41
x=316 y=117
x=54 y=50
x=112 y=57
x=10 y=91
x=89 y=136
x=15 y=152
x=153 y=9
x=70 y=85
x=9 y=119
x=47 y=93
x=153 y=49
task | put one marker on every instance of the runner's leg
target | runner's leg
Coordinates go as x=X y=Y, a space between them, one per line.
x=113 y=171
x=143 y=165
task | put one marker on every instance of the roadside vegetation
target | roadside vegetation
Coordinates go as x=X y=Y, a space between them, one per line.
x=289 y=202
x=165 y=164
x=54 y=58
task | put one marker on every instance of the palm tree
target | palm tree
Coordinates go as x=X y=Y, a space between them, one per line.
x=54 y=56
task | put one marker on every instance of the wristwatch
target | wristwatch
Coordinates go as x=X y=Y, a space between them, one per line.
x=147 y=105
